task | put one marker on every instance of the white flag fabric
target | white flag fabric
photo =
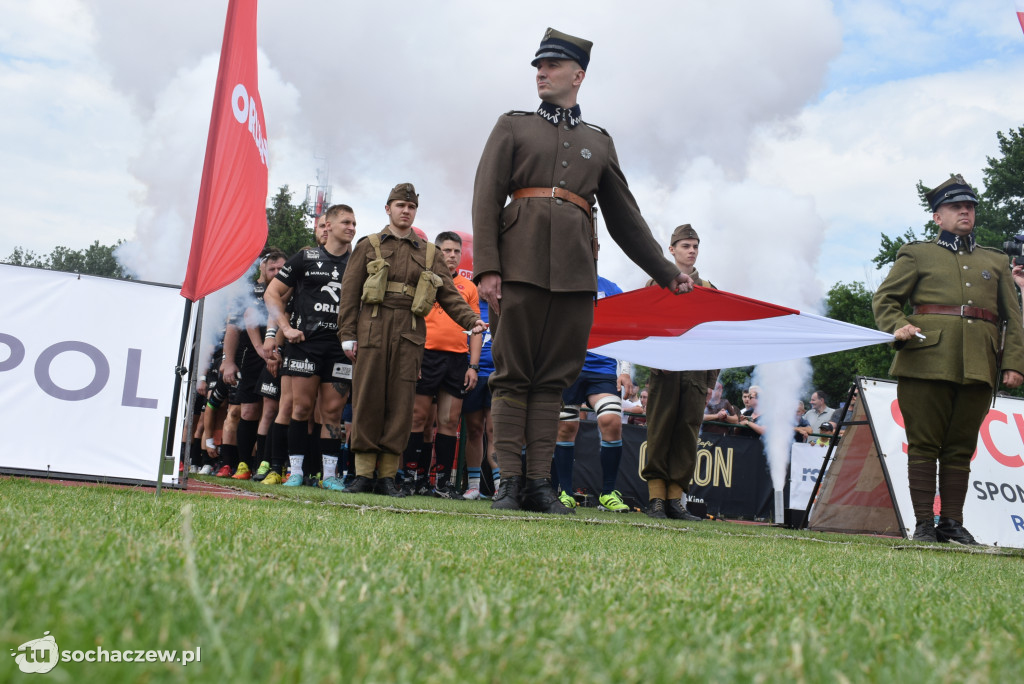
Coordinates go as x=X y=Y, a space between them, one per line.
x=709 y=329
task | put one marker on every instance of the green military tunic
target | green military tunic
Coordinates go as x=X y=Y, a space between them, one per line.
x=946 y=379
x=542 y=249
x=390 y=339
x=675 y=410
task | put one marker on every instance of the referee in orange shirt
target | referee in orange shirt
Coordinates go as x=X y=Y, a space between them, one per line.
x=451 y=360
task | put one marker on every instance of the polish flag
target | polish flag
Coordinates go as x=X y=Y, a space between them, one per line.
x=231 y=218
x=708 y=329
x=1020 y=12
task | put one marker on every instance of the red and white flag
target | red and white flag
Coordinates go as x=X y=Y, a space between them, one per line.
x=231 y=218
x=1020 y=12
x=708 y=329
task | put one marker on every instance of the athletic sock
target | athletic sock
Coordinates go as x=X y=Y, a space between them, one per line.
x=611 y=456
x=348 y=461
x=330 y=466
x=229 y=454
x=444 y=450
x=311 y=464
x=261 y=449
x=473 y=477
x=412 y=459
x=196 y=455
x=247 y=440
x=278 y=447
x=565 y=456
x=330 y=447
x=298 y=437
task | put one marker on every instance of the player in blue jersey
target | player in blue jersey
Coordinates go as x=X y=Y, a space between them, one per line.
x=600 y=384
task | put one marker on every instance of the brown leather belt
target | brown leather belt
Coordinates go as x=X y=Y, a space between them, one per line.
x=962 y=311
x=556 y=193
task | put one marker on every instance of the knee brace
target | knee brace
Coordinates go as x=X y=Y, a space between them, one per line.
x=569 y=413
x=610 y=404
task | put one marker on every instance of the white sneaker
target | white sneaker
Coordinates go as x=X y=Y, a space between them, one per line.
x=471 y=494
x=206 y=470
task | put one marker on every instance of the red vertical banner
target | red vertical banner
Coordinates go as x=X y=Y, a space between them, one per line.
x=231 y=218
x=1020 y=12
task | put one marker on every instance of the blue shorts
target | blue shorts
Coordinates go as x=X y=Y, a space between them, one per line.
x=478 y=398
x=587 y=385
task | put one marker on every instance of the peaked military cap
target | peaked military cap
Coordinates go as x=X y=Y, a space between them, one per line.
x=684 y=232
x=558 y=45
x=955 y=189
x=405 y=192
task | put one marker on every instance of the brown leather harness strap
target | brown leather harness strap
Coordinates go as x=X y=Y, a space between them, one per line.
x=555 y=193
x=962 y=311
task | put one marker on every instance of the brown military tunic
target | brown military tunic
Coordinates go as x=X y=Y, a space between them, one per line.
x=945 y=379
x=542 y=249
x=675 y=410
x=390 y=343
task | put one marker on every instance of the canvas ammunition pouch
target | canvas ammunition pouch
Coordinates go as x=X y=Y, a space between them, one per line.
x=375 y=286
x=426 y=290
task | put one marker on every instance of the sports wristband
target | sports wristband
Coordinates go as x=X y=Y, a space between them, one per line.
x=210 y=444
x=270 y=334
x=348 y=345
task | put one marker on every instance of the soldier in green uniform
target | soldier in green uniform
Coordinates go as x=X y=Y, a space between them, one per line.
x=389 y=286
x=675 y=410
x=535 y=261
x=960 y=294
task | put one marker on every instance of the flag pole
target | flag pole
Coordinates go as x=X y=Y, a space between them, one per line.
x=180 y=371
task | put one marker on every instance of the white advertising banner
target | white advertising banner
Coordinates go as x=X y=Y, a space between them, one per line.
x=994 y=509
x=804 y=464
x=86 y=373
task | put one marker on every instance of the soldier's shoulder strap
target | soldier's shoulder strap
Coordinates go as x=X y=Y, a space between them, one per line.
x=596 y=128
x=517 y=112
x=374 y=239
x=992 y=249
x=431 y=248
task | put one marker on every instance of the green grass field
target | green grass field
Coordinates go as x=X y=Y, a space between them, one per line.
x=318 y=586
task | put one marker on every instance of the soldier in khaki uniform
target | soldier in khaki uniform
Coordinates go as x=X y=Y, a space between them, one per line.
x=388 y=337
x=675 y=410
x=535 y=260
x=960 y=293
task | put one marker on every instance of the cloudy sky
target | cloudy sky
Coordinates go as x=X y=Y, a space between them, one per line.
x=790 y=134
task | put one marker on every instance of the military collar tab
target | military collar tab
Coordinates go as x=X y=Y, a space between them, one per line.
x=556 y=115
x=954 y=242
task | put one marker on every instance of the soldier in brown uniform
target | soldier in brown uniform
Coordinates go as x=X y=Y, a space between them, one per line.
x=946 y=363
x=675 y=410
x=535 y=260
x=388 y=336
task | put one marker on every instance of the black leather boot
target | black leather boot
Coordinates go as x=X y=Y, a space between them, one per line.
x=509 y=494
x=539 y=496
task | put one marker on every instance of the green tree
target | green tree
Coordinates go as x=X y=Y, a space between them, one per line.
x=1000 y=211
x=96 y=259
x=835 y=372
x=286 y=223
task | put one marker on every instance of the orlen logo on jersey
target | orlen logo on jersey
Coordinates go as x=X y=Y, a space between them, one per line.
x=244 y=108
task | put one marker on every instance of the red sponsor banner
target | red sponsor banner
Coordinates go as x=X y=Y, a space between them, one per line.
x=231 y=219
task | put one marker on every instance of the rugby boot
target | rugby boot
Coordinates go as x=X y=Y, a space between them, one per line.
x=675 y=509
x=387 y=487
x=360 y=485
x=261 y=472
x=949 y=530
x=539 y=496
x=243 y=472
x=509 y=494
x=925 y=531
x=656 y=508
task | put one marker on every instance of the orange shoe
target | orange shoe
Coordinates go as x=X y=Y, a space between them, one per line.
x=243 y=472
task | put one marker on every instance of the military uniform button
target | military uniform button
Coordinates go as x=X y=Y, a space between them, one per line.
x=561 y=184
x=965 y=267
x=565 y=128
x=564 y=164
x=558 y=201
x=967 y=284
x=969 y=321
x=970 y=302
x=566 y=144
